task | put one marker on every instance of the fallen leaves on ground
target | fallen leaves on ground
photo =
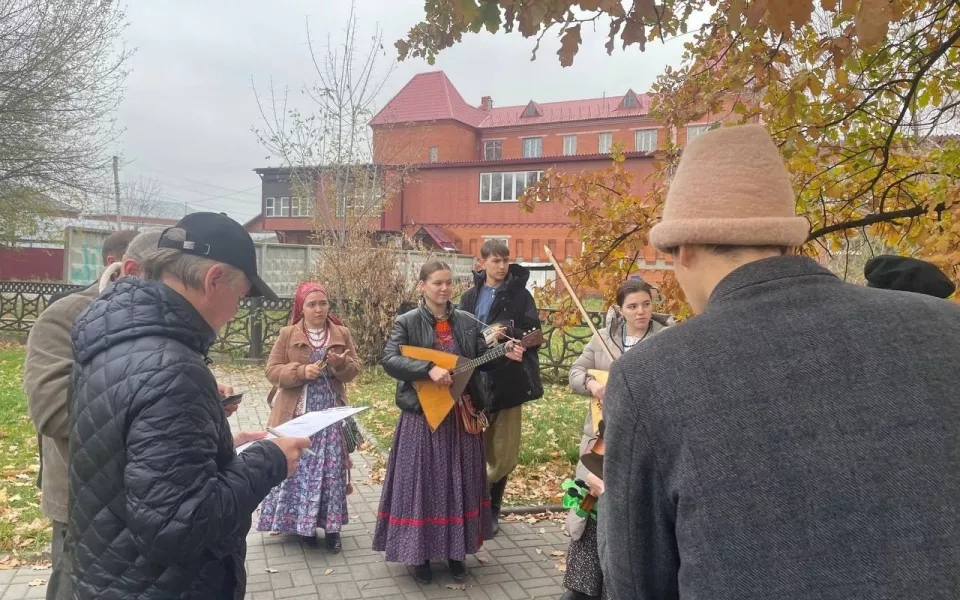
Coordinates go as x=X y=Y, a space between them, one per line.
x=24 y=531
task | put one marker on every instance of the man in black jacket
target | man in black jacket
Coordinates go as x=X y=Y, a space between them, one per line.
x=160 y=503
x=499 y=296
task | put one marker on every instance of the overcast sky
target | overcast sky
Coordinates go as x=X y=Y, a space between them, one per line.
x=189 y=105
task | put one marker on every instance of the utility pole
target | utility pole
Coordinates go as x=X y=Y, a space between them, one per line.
x=116 y=188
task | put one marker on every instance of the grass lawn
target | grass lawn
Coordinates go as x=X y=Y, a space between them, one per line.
x=551 y=432
x=24 y=531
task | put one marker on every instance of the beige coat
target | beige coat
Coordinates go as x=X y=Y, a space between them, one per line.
x=47 y=380
x=285 y=368
x=595 y=357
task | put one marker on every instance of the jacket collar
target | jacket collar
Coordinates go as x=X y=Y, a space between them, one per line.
x=614 y=330
x=764 y=271
x=517 y=277
x=133 y=308
x=428 y=315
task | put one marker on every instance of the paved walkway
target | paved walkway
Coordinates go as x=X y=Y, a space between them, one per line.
x=520 y=563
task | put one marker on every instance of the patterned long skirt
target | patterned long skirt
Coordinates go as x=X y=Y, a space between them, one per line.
x=435 y=503
x=316 y=495
x=583 y=564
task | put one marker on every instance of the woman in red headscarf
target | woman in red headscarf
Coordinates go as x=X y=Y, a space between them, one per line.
x=312 y=360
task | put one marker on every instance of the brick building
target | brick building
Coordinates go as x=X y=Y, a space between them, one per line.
x=470 y=163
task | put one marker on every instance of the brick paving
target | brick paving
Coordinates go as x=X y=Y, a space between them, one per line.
x=519 y=563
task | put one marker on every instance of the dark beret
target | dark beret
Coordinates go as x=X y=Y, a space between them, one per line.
x=908 y=275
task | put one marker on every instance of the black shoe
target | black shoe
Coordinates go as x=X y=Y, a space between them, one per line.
x=572 y=595
x=458 y=570
x=332 y=542
x=422 y=573
x=310 y=541
x=494 y=523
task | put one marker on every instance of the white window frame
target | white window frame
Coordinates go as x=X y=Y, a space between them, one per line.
x=434 y=154
x=606 y=136
x=269 y=206
x=538 y=146
x=695 y=131
x=643 y=147
x=569 y=145
x=300 y=207
x=284 y=206
x=501 y=176
x=489 y=145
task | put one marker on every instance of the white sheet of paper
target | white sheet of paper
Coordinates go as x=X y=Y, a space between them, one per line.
x=312 y=423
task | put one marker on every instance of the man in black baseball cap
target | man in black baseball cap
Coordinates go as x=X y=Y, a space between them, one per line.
x=218 y=237
x=159 y=500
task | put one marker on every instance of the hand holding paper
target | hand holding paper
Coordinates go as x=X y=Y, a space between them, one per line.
x=312 y=422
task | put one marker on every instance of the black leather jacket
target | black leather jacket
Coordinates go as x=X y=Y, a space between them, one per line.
x=416 y=328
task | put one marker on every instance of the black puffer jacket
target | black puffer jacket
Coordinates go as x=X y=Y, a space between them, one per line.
x=416 y=328
x=160 y=504
x=513 y=307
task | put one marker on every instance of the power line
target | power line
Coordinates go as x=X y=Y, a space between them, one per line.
x=211 y=197
x=196 y=181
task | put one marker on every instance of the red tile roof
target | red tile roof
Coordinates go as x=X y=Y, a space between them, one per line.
x=567 y=111
x=428 y=97
x=432 y=97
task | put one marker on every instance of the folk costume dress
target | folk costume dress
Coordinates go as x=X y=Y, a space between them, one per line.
x=316 y=495
x=435 y=503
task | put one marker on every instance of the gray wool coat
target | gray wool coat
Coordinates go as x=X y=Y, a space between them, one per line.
x=799 y=440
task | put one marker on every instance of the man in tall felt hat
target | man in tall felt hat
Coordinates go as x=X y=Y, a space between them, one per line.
x=796 y=439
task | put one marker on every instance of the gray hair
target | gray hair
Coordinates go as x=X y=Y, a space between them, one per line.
x=187 y=268
x=144 y=244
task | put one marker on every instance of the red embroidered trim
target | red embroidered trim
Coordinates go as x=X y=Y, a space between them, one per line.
x=433 y=520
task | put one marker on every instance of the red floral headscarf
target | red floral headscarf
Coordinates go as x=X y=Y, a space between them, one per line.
x=303 y=290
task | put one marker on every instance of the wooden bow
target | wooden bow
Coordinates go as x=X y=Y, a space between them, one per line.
x=593 y=460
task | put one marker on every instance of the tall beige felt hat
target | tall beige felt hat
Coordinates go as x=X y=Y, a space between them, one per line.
x=731 y=188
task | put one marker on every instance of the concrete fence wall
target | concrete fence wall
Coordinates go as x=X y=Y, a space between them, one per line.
x=282 y=266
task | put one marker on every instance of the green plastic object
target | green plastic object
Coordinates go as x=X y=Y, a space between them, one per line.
x=573 y=493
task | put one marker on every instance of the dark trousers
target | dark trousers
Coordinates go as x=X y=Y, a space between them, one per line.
x=59 y=586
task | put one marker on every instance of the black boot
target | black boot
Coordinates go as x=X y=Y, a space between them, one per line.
x=423 y=573
x=496 y=501
x=333 y=544
x=458 y=570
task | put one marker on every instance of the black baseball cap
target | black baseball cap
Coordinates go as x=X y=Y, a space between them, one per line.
x=218 y=237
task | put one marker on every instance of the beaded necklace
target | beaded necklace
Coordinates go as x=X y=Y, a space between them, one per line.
x=316 y=338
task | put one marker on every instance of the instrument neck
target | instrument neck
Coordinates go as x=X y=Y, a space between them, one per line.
x=493 y=354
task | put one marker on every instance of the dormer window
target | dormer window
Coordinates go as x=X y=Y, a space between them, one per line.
x=630 y=100
x=532 y=110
